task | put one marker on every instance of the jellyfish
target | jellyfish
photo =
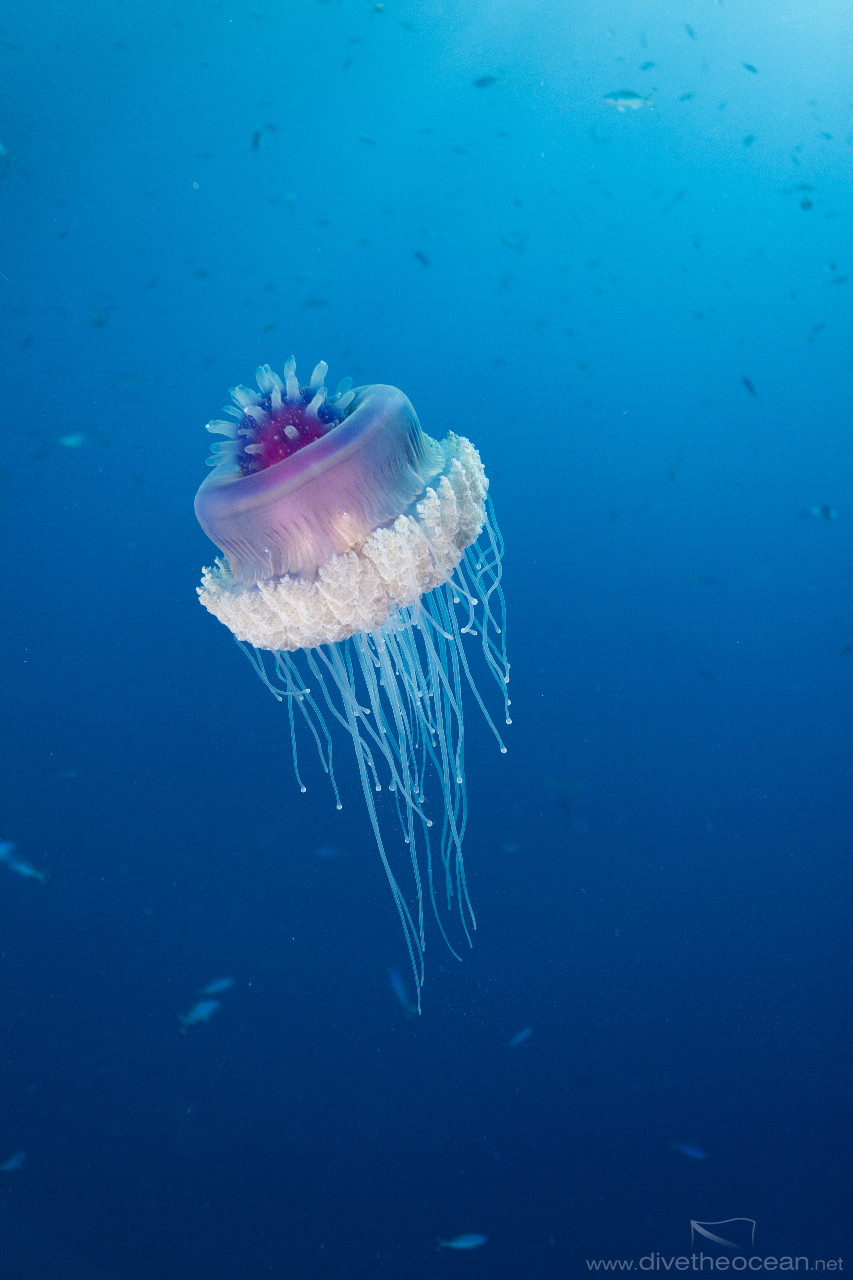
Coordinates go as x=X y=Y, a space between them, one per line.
x=361 y=574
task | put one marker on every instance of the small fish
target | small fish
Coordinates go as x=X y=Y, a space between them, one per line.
x=626 y=100
x=18 y=865
x=421 y=257
x=217 y=986
x=749 y=67
x=468 y=1241
x=750 y=385
x=484 y=82
x=75 y=440
x=202 y=1011
x=825 y=511
x=519 y=1038
x=14 y=1163
x=690 y=1149
x=690 y=31
x=515 y=240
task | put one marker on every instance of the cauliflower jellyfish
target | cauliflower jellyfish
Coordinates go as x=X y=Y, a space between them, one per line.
x=361 y=574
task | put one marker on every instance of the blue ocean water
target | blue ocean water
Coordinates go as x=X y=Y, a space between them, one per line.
x=639 y=310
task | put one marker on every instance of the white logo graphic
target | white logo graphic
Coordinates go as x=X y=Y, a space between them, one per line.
x=743 y=1229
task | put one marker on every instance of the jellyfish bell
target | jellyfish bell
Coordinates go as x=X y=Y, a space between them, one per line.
x=361 y=562
x=301 y=482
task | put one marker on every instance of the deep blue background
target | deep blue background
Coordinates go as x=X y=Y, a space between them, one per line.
x=660 y=865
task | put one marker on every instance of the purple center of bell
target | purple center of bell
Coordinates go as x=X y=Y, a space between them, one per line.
x=268 y=435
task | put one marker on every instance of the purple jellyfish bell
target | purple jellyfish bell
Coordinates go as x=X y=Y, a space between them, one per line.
x=304 y=477
x=363 y=556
